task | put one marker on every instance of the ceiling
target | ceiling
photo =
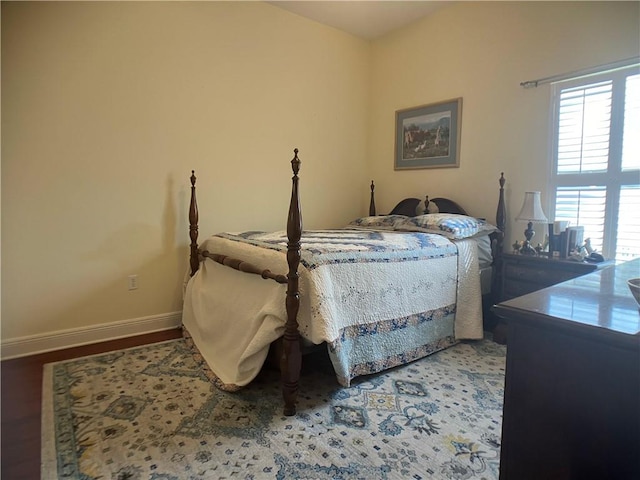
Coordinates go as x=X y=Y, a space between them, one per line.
x=368 y=19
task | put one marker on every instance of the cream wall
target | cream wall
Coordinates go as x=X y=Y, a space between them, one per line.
x=106 y=109
x=481 y=51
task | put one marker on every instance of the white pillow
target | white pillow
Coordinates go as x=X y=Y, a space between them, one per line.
x=450 y=225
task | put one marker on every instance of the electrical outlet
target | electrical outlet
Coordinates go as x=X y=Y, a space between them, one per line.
x=133 y=282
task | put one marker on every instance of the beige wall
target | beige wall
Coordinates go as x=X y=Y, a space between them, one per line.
x=106 y=109
x=481 y=51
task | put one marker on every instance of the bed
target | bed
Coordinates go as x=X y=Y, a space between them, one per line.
x=379 y=293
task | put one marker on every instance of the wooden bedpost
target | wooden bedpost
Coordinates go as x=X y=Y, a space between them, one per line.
x=372 y=202
x=194 y=261
x=291 y=360
x=497 y=238
x=497 y=244
x=501 y=216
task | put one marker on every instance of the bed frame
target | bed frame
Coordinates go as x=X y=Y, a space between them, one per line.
x=289 y=349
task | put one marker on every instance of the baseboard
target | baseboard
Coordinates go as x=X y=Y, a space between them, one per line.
x=75 y=337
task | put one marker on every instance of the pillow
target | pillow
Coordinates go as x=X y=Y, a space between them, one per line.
x=449 y=225
x=379 y=222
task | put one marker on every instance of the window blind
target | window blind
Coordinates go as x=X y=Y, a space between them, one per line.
x=583 y=131
x=584 y=206
x=628 y=237
x=631 y=139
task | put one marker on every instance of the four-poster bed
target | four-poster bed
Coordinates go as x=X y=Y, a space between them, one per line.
x=349 y=288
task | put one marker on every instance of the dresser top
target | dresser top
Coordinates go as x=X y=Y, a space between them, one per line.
x=601 y=299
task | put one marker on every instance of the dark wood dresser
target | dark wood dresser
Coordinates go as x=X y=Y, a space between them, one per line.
x=572 y=387
x=522 y=274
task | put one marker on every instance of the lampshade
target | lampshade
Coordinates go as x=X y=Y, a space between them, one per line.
x=531 y=209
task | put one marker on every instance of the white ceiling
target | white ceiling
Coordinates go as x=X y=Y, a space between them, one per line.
x=368 y=19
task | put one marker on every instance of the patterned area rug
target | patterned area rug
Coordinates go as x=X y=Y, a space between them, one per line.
x=149 y=413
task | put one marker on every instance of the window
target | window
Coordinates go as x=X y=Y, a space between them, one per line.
x=596 y=159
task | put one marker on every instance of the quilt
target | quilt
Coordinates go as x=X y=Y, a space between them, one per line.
x=377 y=298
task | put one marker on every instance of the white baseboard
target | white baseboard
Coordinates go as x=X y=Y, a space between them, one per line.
x=75 y=337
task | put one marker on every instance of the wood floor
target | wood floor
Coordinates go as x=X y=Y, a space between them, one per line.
x=22 y=396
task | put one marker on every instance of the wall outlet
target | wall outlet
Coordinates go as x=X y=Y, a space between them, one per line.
x=133 y=282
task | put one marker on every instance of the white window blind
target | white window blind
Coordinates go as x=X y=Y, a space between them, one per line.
x=596 y=175
x=628 y=231
x=584 y=206
x=583 y=133
x=631 y=140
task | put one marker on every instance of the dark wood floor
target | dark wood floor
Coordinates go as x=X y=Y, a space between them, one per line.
x=22 y=397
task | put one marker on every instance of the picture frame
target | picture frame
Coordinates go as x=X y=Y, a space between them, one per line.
x=575 y=239
x=428 y=136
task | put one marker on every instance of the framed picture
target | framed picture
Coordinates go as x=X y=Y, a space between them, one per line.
x=429 y=136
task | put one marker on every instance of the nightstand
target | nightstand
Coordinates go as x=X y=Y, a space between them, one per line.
x=522 y=274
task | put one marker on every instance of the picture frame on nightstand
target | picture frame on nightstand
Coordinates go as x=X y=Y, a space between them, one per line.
x=575 y=239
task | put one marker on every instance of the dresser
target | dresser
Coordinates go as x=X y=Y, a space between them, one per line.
x=522 y=274
x=572 y=385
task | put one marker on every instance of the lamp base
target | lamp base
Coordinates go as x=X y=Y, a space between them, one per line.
x=527 y=249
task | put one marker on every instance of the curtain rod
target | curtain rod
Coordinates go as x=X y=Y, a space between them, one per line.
x=582 y=73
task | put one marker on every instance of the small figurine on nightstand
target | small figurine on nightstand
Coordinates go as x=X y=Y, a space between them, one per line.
x=575 y=256
x=516 y=246
x=539 y=249
x=592 y=256
x=587 y=246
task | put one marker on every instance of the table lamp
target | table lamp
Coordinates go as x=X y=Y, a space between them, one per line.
x=531 y=212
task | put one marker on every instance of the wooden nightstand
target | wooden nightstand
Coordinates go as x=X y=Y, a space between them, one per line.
x=522 y=274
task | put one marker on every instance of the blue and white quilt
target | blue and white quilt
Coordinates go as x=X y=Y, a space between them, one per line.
x=377 y=298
